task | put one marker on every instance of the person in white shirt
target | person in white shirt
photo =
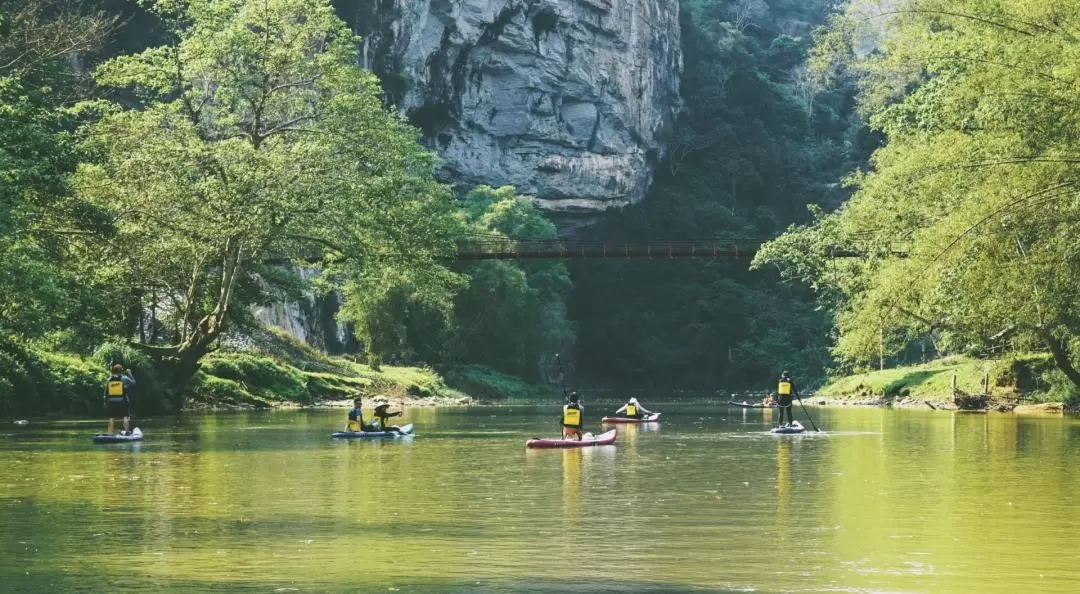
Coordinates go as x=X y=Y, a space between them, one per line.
x=633 y=410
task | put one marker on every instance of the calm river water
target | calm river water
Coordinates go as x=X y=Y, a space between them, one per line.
x=886 y=501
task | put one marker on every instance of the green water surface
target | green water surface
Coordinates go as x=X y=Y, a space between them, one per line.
x=885 y=501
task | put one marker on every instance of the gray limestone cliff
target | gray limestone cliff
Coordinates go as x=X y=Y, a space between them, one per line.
x=568 y=100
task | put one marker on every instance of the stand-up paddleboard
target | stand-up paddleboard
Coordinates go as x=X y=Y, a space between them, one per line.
x=650 y=418
x=136 y=435
x=607 y=438
x=406 y=430
x=794 y=427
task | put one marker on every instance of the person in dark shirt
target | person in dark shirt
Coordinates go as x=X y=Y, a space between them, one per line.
x=117 y=397
x=785 y=391
x=383 y=415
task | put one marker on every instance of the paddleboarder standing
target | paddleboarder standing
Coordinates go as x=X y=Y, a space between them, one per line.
x=785 y=392
x=117 y=397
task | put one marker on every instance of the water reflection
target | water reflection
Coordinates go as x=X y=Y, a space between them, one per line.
x=897 y=501
x=783 y=482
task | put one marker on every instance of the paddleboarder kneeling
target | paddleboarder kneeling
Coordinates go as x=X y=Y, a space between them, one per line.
x=118 y=397
x=633 y=410
x=571 y=416
x=785 y=390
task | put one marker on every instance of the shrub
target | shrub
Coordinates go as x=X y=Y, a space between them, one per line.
x=487 y=384
x=148 y=395
x=259 y=375
x=209 y=389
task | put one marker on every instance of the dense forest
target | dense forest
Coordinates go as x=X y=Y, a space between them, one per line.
x=759 y=140
x=169 y=166
x=967 y=212
x=161 y=174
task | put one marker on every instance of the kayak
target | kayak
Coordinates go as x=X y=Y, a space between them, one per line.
x=653 y=418
x=136 y=435
x=607 y=438
x=406 y=430
x=749 y=405
x=795 y=427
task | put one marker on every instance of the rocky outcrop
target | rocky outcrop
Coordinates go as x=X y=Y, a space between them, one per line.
x=311 y=319
x=568 y=100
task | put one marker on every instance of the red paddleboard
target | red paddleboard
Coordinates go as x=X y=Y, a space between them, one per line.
x=607 y=438
x=653 y=418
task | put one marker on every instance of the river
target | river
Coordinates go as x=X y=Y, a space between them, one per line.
x=884 y=501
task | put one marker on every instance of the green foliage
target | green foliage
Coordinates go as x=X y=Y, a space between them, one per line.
x=486 y=384
x=930 y=381
x=36 y=382
x=43 y=229
x=512 y=316
x=757 y=143
x=258 y=136
x=211 y=390
x=978 y=180
x=252 y=379
x=258 y=375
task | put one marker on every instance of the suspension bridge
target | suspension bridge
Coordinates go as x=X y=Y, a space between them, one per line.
x=496 y=247
x=479 y=246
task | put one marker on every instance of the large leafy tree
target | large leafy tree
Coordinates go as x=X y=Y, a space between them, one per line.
x=256 y=137
x=978 y=181
x=41 y=224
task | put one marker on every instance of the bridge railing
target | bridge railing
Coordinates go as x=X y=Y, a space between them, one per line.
x=490 y=249
x=501 y=248
x=524 y=249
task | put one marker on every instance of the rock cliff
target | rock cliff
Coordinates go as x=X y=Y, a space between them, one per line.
x=568 y=100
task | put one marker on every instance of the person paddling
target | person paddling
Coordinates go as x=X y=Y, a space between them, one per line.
x=571 y=417
x=785 y=391
x=355 y=423
x=118 y=397
x=382 y=414
x=633 y=409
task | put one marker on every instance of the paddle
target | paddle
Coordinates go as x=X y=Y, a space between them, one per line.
x=562 y=377
x=811 y=419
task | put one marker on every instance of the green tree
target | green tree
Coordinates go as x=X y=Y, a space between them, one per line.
x=512 y=316
x=978 y=179
x=257 y=137
x=42 y=226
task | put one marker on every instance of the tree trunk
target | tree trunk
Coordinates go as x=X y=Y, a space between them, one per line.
x=1061 y=356
x=176 y=365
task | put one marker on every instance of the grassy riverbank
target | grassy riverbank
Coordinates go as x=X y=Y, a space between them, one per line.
x=1023 y=378
x=269 y=370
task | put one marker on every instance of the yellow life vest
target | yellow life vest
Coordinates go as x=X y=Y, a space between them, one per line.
x=571 y=416
x=115 y=389
x=631 y=410
x=784 y=389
